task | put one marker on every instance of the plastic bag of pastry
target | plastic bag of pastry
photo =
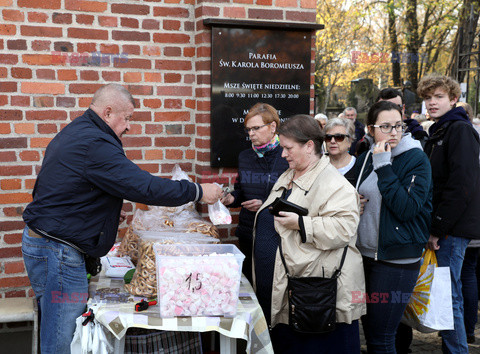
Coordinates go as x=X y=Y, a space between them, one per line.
x=129 y=245
x=219 y=213
x=155 y=218
x=144 y=280
x=178 y=174
x=175 y=237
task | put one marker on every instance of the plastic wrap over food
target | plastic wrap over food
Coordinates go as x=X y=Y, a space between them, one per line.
x=144 y=281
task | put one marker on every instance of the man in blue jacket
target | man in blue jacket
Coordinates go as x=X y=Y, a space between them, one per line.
x=351 y=113
x=76 y=207
x=453 y=148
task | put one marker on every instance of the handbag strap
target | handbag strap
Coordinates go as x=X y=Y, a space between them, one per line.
x=361 y=171
x=335 y=274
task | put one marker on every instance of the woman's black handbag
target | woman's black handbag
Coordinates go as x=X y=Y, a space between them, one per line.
x=312 y=301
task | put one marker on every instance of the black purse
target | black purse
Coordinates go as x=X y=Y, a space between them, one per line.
x=312 y=301
x=281 y=204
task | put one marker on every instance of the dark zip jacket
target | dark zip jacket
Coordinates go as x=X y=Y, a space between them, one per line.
x=256 y=177
x=453 y=149
x=84 y=178
x=405 y=185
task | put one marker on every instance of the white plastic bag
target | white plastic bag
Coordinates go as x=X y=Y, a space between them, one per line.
x=91 y=338
x=178 y=174
x=430 y=306
x=219 y=213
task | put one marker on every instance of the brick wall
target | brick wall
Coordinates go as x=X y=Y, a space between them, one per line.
x=54 y=54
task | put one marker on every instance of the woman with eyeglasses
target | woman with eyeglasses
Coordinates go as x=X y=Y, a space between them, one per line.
x=396 y=183
x=338 y=138
x=258 y=170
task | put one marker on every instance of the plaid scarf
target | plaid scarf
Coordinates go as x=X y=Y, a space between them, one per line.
x=272 y=144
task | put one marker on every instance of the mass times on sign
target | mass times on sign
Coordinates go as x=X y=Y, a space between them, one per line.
x=255 y=86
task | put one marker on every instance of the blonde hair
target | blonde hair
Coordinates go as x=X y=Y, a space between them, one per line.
x=467 y=108
x=430 y=83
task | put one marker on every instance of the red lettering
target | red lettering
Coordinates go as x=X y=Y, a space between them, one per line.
x=357 y=297
x=355 y=55
x=56 y=297
x=384 y=297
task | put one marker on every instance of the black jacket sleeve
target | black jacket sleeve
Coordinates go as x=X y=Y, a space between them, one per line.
x=110 y=170
x=462 y=154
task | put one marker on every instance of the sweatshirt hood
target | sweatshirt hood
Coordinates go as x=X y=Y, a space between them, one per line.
x=405 y=144
x=457 y=113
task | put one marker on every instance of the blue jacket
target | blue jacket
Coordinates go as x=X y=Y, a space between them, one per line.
x=84 y=178
x=405 y=186
x=359 y=134
x=256 y=177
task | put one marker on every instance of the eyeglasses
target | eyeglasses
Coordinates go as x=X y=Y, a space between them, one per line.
x=338 y=137
x=248 y=130
x=387 y=128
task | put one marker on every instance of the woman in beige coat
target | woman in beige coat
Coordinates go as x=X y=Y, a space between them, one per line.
x=331 y=224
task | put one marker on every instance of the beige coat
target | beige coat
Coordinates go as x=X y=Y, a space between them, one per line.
x=331 y=224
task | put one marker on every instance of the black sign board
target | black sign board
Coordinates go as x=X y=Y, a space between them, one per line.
x=250 y=66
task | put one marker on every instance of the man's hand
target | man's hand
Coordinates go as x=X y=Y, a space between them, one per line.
x=123 y=216
x=227 y=199
x=252 y=205
x=288 y=220
x=432 y=243
x=211 y=193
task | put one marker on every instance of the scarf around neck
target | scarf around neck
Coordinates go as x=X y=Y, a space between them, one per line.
x=272 y=144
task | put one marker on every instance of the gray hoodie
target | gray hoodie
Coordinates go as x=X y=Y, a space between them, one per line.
x=368 y=228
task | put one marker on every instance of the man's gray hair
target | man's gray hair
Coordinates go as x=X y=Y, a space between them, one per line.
x=341 y=122
x=110 y=92
x=349 y=109
x=321 y=116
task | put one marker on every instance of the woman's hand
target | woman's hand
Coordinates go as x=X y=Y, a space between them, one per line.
x=363 y=201
x=123 y=216
x=382 y=146
x=433 y=243
x=252 y=204
x=227 y=199
x=288 y=220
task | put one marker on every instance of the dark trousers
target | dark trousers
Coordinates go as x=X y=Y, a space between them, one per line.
x=470 y=290
x=245 y=247
x=345 y=339
x=389 y=287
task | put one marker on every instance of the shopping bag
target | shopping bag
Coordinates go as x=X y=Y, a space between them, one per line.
x=91 y=338
x=219 y=213
x=430 y=306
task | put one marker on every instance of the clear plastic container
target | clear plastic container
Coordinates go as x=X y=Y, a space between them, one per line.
x=198 y=280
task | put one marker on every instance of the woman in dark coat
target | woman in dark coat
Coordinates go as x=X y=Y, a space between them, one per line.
x=258 y=170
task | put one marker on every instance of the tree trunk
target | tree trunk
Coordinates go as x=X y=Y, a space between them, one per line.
x=392 y=34
x=467 y=23
x=412 y=58
x=327 y=98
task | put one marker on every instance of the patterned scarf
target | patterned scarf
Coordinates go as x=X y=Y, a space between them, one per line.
x=272 y=144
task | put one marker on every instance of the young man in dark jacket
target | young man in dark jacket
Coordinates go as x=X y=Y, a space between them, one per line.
x=453 y=148
x=76 y=207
